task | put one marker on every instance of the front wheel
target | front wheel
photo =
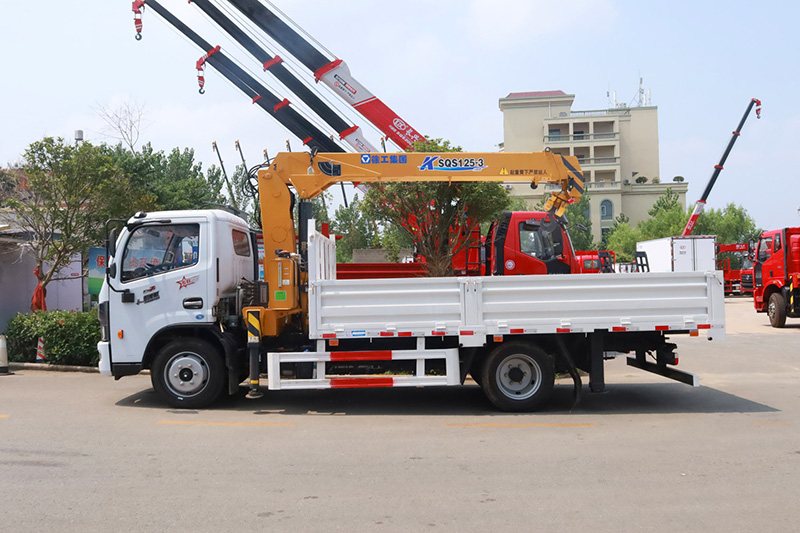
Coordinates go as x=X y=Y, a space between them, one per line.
x=188 y=373
x=518 y=377
x=776 y=310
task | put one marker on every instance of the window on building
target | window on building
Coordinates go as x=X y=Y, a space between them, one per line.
x=606 y=210
x=554 y=134
x=578 y=135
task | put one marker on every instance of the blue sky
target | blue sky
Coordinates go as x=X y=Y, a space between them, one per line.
x=442 y=66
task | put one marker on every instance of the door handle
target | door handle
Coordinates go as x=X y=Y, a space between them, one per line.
x=193 y=303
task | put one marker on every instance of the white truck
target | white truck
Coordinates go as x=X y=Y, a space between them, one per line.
x=182 y=297
x=680 y=254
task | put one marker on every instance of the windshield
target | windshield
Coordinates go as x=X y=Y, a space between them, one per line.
x=535 y=243
x=151 y=249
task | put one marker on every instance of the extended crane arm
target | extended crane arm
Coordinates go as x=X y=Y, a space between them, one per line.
x=311 y=174
x=701 y=203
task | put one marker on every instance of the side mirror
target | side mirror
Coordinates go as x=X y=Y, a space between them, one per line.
x=111 y=243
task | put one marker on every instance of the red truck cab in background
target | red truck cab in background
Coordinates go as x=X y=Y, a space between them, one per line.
x=776 y=275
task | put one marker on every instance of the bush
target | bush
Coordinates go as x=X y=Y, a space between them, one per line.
x=70 y=338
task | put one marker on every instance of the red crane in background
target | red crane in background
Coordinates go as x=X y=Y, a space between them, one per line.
x=701 y=203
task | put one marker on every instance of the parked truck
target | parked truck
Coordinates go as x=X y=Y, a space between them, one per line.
x=680 y=254
x=202 y=320
x=512 y=246
x=776 y=275
x=736 y=278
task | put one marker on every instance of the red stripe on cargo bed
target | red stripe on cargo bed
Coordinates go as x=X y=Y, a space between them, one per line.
x=375 y=355
x=662 y=328
x=329 y=335
x=404 y=334
x=517 y=331
x=562 y=330
x=619 y=328
x=704 y=326
x=466 y=333
x=387 y=334
x=352 y=383
x=437 y=332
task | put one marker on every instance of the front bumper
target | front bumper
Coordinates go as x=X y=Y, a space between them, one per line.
x=105 y=358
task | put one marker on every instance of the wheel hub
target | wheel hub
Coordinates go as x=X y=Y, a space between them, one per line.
x=516 y=375
x=186 y=374
x=519 y=376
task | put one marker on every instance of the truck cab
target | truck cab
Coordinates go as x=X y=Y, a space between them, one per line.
x=171 y=274
x=520 y=244
x=776 y=275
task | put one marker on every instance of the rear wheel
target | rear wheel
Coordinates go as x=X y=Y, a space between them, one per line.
x=776 y=310
x=518 y=377
x=189 y=373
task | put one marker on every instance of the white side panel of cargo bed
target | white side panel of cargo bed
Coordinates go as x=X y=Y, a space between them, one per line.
x=473 y=307
x=629 y=302
x=352 y=308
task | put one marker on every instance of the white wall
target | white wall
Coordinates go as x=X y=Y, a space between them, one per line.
x=17 y=284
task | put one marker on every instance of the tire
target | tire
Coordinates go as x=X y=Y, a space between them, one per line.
x=518 y=376
x=776 y=310
x=189 y=373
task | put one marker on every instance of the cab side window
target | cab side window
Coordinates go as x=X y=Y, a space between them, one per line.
x=535 y=243
x=241 y=244
x=765 y=249
x=777 y=243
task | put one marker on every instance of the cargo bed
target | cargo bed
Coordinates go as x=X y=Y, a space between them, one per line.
x=473 y=308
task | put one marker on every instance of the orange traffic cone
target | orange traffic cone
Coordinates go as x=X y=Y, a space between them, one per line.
x=40 y=351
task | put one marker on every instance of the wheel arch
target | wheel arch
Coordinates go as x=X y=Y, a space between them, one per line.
x=769 y=290
x=209 y=333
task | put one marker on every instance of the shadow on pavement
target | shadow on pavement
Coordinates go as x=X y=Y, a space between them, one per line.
x=644 y=398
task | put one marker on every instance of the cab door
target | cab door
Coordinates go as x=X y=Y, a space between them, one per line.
x=163 y=275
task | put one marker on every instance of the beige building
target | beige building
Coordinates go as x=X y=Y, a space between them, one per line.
x=614 y=147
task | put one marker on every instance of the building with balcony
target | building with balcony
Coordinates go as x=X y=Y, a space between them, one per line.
x=614 y=148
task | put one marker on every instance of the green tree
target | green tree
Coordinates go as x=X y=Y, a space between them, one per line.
x=68 y=193
x=431 y=212
x=356 y=230
x=175 y=179
x=731 y=224
x=622 y=241
x=579 y=223
x=667 y=217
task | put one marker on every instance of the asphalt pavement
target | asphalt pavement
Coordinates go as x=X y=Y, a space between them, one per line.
x=82 y=452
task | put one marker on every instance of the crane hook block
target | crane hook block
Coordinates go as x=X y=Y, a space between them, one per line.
x=137 y=6
x=200 y=65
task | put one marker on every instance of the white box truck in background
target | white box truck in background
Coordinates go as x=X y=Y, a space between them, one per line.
x=680 y=254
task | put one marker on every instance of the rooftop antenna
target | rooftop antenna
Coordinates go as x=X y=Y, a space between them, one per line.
x=641 y=92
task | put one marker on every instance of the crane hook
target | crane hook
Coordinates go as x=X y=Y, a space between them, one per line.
x=138 y=36
x=201 y=90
